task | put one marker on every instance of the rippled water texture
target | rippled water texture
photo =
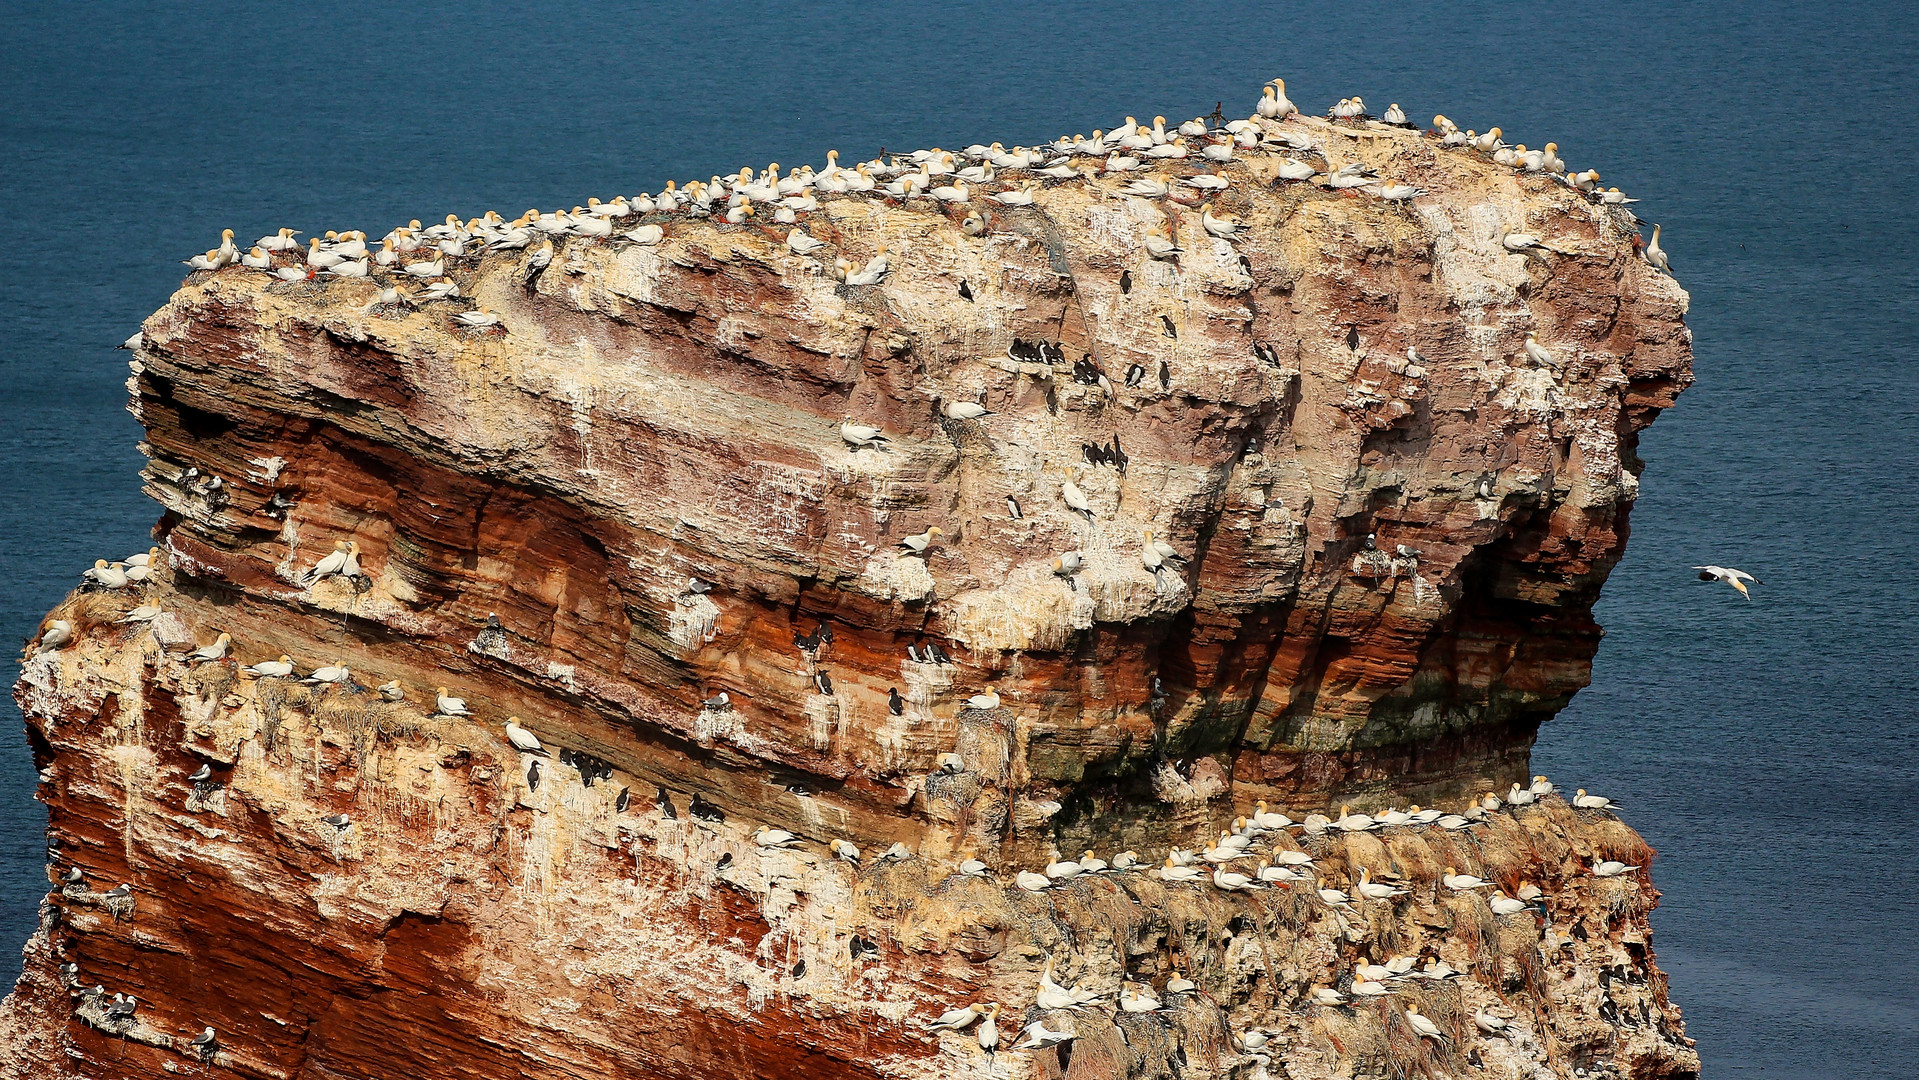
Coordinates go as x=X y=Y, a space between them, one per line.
x=1766 y=748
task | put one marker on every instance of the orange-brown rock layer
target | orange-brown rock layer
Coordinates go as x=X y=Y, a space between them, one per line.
x=654 y=420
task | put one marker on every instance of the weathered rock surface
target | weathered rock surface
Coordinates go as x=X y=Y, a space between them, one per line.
x=654 y=416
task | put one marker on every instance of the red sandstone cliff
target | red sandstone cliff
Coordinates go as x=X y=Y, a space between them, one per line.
x=651 y=416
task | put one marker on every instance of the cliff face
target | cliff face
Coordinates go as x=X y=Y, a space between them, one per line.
x=640 y=473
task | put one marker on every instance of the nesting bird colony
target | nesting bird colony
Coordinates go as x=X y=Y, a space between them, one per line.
x=1185 y=164
x=1320 y=869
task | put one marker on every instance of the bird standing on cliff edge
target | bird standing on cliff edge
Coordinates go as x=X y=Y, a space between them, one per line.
x=1736 y=578
x=522 y=739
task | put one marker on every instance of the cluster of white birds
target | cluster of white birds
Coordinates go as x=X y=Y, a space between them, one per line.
x=1547 y=162
x=1225 y=864
x=413 y=261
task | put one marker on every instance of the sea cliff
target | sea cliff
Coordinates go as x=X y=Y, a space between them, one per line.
x=1291 y=515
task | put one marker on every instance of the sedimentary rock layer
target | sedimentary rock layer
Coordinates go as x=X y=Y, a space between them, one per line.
x=1389 y=526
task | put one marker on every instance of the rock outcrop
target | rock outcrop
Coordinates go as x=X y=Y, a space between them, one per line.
x=1388 y=525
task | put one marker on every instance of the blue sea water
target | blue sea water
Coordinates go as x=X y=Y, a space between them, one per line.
x=1769 y=749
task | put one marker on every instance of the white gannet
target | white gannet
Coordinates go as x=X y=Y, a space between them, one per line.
x=271 y=669
x=1207 y=182
x=951 y=193
x=1296 y=170
x=335 y=562
x=145 y=613
x=1075 y=498
x=57 y=633
x=860 y=435
x=1399 y=192
x=919 y=542
x=986 y=702
x=1137 y=1001
x=1121 y=163
x=1126 y=860
x=333 y=674
x=801 y=243
x=1036 y=1036
x=1502 y=904
x=280 y=241
x=1351 y=822
x=987 y=1034
x=1610 y=867
x=1158 y=242
x=1334 y=897
x=1291 y=857
x=1284 y=107
x=1529 y=892
x=1176 y=873
x=1032 y=882
x=1488 y=142
x=1537 y=353
x=1593 y=802
x=1614 y=197
x=480 y=319
x=522 y=739
x=1522 y=243
x=1220 y=152
x=1268 y=872
x=319 y=258
x=972 y=868
x=110 y=575
x=1223 y=227
x=873 y=272
x=1327 y=996
x=1421 y=1024
x=215 y=651
x=1061 y=870
x=1488 y=1023
x=1373 y=890
x=1178 y=983
x=257 y=259
x=1267 y=819
x=1459 y=882
x=1363 y=987
x=845 y=851
x=957 y=1019
x=1090 y=865
x=1020 y=196
x=391 y=690
x=1230 y=881
x=899 y=852
x=1542 y=786
x=965 y=410
x=645 y=235
x=768 y=837
x=1395 y=115
x=1736 y=578
x=1349 y=177
x=1372 y=972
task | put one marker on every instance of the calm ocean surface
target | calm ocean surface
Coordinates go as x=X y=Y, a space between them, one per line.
x=1769 y=749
